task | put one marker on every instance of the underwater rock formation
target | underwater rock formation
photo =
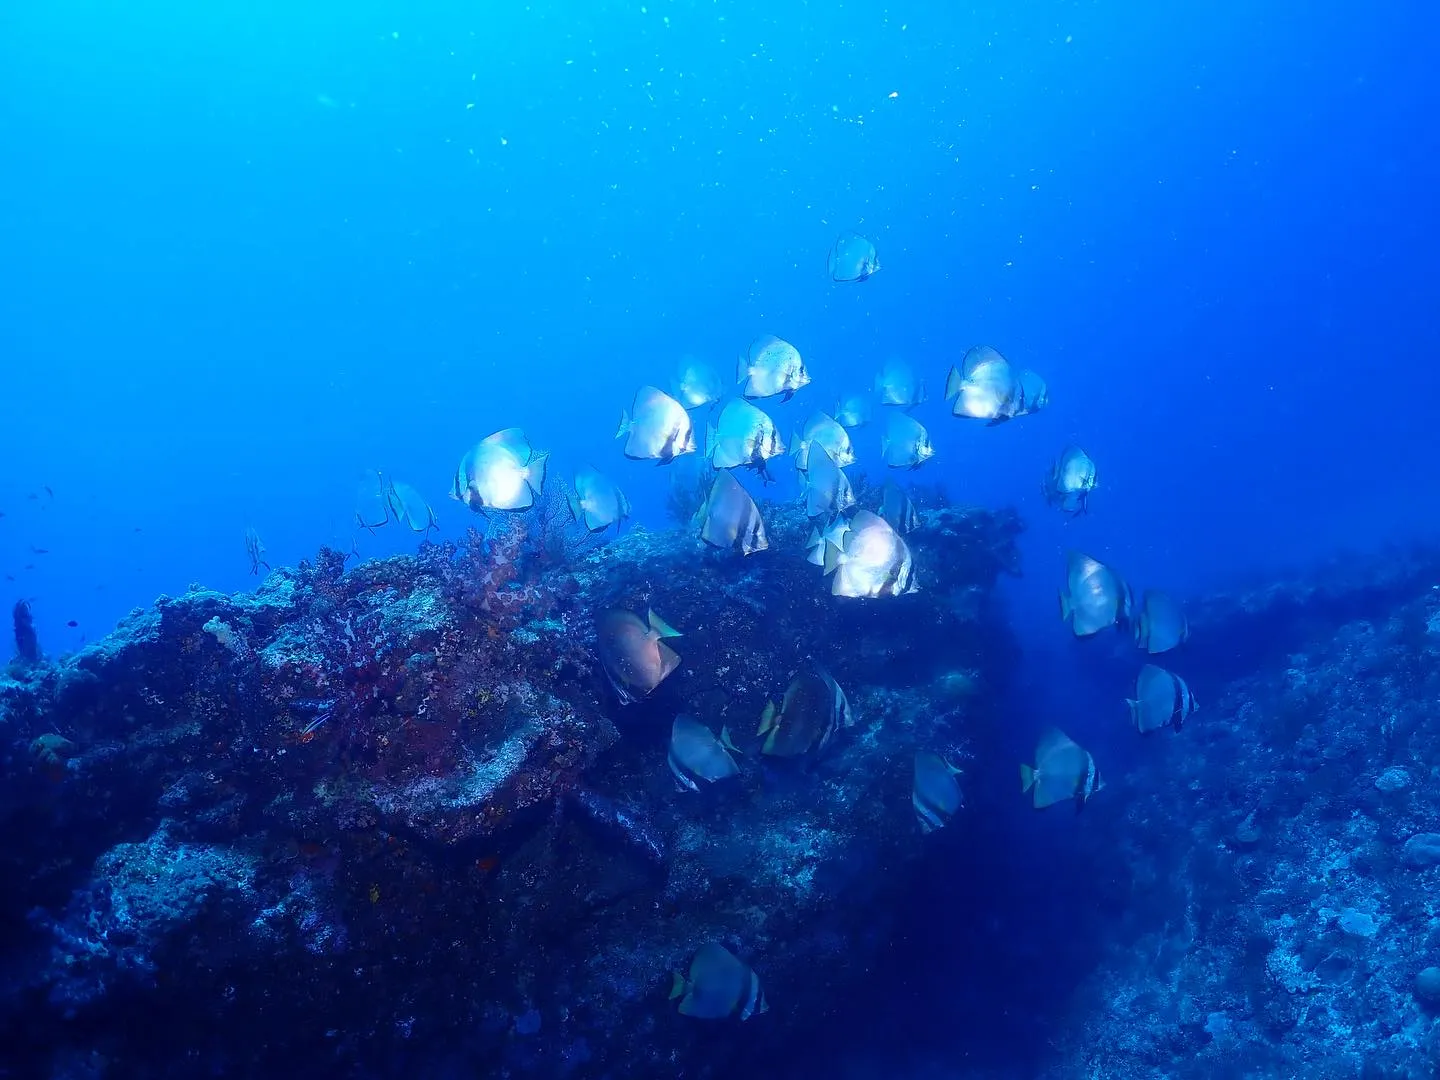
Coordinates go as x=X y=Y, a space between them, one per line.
x=392 y=815
x=1281 y=858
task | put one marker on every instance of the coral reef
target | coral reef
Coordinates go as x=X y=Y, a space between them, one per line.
x=401 y=794
x=1280 y=859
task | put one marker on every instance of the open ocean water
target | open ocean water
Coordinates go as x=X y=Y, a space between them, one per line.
x=250 y=253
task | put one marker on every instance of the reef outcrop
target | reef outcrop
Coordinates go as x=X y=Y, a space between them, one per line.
x=391 y=815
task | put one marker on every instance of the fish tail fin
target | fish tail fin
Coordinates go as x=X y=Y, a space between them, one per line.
x=660 y=626
x=712 y=436
x=1134 y=707
x=535 y=472
x=768 y=747
x=727 y=742
x=572 y=500
x=742 y=367
x=1065 y=609
x=677 y=985
x=624 y=423
x=1027 y=777
x=832 y=556
x=767 y=719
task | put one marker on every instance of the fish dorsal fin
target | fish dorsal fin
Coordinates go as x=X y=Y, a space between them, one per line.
x=1053 y=741
x=660 y=626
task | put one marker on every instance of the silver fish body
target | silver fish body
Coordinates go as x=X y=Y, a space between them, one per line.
x=827 y=488
x=823 y=430
x=853 y=411
x=1072 y=478
x=696 y=384
x=1095 y=597
x=897 y=509
x=743 y=436
x=502 y=472
x=597 y=503
x=633 y=652
x=657 y=427
x=730 y=519
x=719 y=986
x=935 y=794
x=906 y=442
x=1063 y=771
x=697 y=756
x=852 y=258
x=872 y=560
x=898 y=385
x=1161 y=624
x=771 y=367
x=1162 y=699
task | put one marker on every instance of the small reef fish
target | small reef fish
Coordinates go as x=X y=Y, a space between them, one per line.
x=502 y=472
x=1162 y=699
x=771 y=366
x=822 y=430
x=697 y=756
x=633 y=652
x=936 y=793
x=256 y=551
x=813 y=710
x=1072 y=478
x=730 y=519
x=872 y=560
x=906 y=443
x=1095 y=597
x=696 y=384
x=409 y=508
x=983 y=386
x=743 y=436
x=853 y=411
x=1062 y=770
x=897 y=384
x=827 y=488
x=596 y=502
x=852 y=258
x=719 y=986
x=657 y=427
x=1161 y=624
x=897 y=510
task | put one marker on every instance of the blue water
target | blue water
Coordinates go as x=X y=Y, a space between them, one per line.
x=250 y=250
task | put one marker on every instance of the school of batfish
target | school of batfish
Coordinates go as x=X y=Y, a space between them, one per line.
x=862 y=552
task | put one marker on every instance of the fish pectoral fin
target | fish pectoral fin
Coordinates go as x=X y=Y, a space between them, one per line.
x=768 y=719
x=660 y=626
x=678 y=985
x=1027 y=778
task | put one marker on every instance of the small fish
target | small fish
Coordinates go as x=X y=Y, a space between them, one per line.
x=872 y=560
x=371 y=508
x=39 y=550
x=730 y=519
x=719 y=986
x=1162 y=699
x=596 y=502
x=906 y=443
x=72 y=624
x=825 y=431
x=409 y=508
x=852 y=258
x=813 y=710
x=853 y=411
x=743 y=436
x=256 y=550
x=696 y=384
x=897 y=384
x=633 y=652
x=657 y=427
x=1095 y=597
x=984 y=386
x=1072 y=478
x=827 y=488
x=1062 y=770
x=897 y=509
x=1161 y=625
x=1033 y=396
x=697 y=756
x=770 y=367
x=936 y=793
x=502 y=472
